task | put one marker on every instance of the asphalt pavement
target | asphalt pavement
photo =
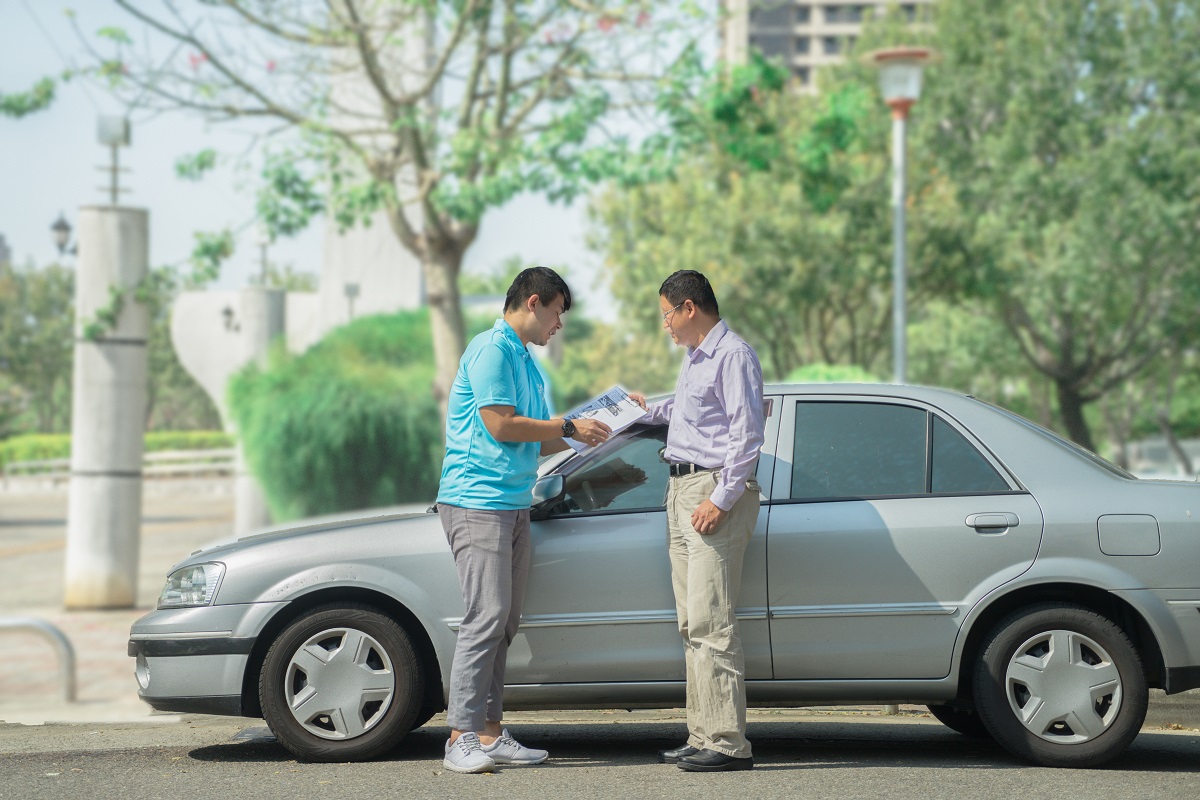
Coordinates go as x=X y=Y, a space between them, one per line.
x=592 y=755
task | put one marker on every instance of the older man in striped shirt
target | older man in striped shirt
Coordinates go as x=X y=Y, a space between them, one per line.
x=714 y=434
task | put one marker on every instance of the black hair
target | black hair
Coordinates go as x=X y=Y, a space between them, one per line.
x=687 y=284
x=542 y=281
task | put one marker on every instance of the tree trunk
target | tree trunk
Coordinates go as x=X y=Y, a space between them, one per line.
x=1119 y=421
x=1070 y=408
x=1181 y=456
x=445 y=320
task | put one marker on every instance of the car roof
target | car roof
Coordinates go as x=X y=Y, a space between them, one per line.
x=929 y=393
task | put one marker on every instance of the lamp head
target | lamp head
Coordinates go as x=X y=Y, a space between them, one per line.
x=62 y=232
x=900 y=71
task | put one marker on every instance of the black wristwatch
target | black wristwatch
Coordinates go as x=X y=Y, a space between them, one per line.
x=568 y=429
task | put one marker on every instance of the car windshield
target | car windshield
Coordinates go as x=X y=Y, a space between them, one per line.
x=1099 y=461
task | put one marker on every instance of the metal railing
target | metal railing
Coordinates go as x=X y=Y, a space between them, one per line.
x=163 y=464
x=58 y=641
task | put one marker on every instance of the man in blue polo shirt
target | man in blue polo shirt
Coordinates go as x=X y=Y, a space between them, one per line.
x=496 y=427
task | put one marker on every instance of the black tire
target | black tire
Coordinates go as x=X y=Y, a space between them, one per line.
x=424 y=715
x=961 y=720
x=371 y=707
x=1053 y=645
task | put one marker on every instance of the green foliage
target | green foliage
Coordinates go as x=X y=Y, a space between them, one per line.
x=287 y=199
x=211 y=250
x=11 y=406
x=35 y=447
x=114 y=34
x=745 y=127
x=349 y=424
x=21 y=104
x=36 y=351
x=1069 y=131
x=797 y=245
x=175 y=401
x=830 y=373
x=286 y=278
x=514 y=99
x=37 y=315
x=835 y=130
x=47 y=446
x=105 y=319
x=193 y=167
x=158 y=441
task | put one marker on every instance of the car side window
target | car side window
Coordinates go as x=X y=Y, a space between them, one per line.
x=958 y=467
x=858 y=450
x=629 y=477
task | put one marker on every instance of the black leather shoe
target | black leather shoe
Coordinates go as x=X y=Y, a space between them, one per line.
x=712 y=761
x=673 y=756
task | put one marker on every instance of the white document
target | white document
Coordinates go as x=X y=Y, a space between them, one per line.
x=615 y=408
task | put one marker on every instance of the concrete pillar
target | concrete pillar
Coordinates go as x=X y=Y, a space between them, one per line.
x=108 y=412
x=263 y=319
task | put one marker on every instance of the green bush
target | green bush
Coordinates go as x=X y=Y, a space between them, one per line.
x=45 y=446
x=157 y=441
x=350 y=424
x=35 y=447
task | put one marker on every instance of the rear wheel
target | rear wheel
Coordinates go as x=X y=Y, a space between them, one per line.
x=962 y=719
x=341 y=683
x=1061 y=686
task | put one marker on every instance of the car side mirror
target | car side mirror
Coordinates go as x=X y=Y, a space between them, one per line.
x=548 y=490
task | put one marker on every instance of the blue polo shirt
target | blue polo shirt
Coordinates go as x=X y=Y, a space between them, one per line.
x=479 y=472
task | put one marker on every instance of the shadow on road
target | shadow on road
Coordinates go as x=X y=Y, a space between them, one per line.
x=777 y=746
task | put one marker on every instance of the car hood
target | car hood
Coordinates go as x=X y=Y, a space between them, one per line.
x=301 y=528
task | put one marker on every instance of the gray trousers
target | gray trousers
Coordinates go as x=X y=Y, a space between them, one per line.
x=491 y=553
x=706 y=575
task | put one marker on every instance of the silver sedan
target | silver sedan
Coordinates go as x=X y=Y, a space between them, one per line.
x=913 y=545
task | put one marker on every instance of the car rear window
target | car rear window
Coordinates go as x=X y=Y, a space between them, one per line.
x=958 y=467
x=863 y=449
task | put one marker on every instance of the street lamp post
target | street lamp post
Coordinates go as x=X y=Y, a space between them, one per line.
x=262 y=237
x=900 y=81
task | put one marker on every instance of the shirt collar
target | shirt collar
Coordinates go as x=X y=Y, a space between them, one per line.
x=709 y=345
x=510 y=334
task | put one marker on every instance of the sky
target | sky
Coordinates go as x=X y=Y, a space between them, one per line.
x=49 y=164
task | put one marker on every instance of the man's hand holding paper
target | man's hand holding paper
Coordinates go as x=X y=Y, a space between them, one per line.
x=614 y=410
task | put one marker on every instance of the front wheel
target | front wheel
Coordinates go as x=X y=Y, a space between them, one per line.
x=1061 y=686
x=341 y=683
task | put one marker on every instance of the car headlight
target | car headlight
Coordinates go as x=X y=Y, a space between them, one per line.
x=191 y=586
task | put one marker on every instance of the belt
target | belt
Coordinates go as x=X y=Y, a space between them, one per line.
x=681 y=469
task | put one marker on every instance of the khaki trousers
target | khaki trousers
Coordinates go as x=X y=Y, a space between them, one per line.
x=706 y=574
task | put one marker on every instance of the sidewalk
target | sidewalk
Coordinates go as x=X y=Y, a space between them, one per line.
x=32 y=539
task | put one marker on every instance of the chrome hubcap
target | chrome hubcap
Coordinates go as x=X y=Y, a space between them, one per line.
x=340 y=684
x=1063 y=687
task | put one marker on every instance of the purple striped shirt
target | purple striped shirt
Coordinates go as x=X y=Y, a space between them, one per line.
x=716 y=416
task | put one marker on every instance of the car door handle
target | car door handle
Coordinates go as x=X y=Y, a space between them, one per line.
x=993 y=521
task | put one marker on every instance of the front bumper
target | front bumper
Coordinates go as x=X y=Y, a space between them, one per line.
x=194 y=660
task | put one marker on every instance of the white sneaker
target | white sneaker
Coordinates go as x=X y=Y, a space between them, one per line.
x=507 y=750
x=466 y=755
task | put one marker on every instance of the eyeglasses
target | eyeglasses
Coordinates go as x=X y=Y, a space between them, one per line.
x=667 y=314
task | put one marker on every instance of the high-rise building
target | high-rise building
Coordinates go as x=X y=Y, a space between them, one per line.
x=806 y=34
